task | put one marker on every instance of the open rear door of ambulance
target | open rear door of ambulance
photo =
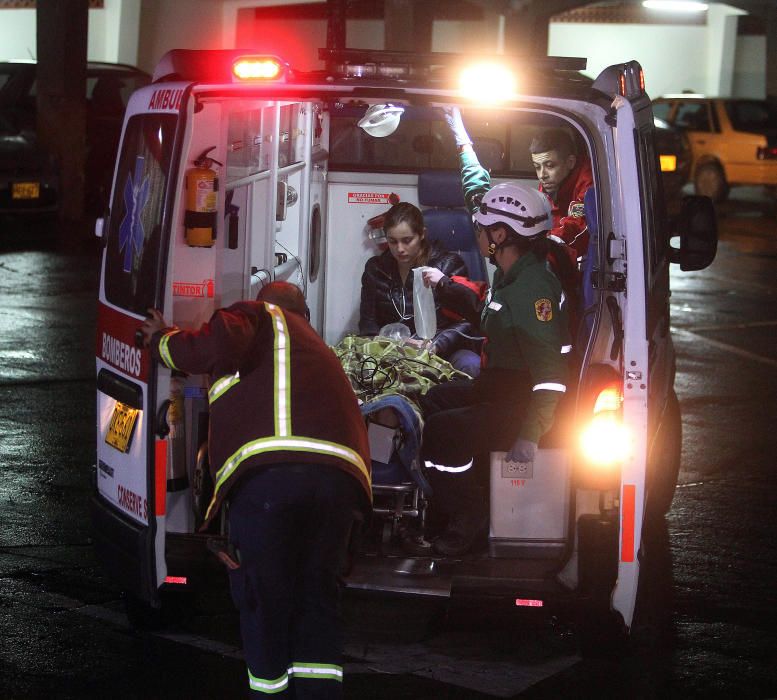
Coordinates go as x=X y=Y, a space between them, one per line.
x=633 y=114
x=129 y=504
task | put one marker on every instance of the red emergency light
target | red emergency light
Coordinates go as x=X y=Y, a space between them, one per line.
x=257 y=68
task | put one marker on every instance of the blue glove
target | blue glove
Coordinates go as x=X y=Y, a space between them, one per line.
x=456 y=125
x=522 y=451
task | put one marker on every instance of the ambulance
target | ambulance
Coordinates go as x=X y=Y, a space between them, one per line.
x=234 y=169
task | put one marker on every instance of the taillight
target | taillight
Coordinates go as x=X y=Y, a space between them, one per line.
x=766 y=153
x=605 y=441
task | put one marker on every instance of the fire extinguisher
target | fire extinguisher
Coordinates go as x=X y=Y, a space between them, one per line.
x=202 y=187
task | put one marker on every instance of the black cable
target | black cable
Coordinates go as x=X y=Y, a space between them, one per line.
x=299 y=264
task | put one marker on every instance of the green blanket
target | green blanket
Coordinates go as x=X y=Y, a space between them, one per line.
x=380 y=367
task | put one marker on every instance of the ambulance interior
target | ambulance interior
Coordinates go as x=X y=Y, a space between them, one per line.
x=303 y=211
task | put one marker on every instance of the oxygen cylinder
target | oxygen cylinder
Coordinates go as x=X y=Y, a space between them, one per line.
x=176 y=438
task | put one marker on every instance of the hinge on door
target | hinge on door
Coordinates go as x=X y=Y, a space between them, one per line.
x=611 y=282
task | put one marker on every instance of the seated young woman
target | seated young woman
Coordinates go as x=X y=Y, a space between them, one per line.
x=387 y=287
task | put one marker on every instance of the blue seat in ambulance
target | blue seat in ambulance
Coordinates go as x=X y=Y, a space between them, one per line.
x=447 y=219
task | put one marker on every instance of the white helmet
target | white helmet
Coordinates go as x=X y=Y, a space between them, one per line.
x=525 y=210
x=381 y=120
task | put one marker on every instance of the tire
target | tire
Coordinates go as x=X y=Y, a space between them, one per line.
x=664 y=466
x=710 y=181
x=142 y=616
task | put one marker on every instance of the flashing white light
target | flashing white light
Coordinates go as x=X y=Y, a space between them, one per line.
x=675 y=5
x=487 y=82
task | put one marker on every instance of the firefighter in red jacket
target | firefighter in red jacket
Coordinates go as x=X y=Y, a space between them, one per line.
x=295 y=472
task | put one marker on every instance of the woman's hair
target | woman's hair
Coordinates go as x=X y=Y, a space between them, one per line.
x=407 y=213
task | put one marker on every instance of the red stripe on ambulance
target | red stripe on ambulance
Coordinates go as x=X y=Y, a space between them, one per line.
x=628 y=508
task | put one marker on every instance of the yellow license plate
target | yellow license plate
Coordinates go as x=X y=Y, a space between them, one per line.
x=25 y=190
x=120 y=428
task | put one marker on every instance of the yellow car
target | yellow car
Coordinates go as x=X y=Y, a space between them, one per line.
x=733 y=140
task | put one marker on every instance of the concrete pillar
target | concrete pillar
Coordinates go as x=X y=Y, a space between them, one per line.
x=408 y=25
x=771 y=50
x=526 y=32
x=721 y=48
x=61 y=50
x=127 y=30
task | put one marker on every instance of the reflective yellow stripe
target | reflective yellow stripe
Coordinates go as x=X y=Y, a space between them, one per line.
x=164 y=351
x=291 y=444
x=321 y=671
x=282 y=373
x=222 y=385
x=268 y=686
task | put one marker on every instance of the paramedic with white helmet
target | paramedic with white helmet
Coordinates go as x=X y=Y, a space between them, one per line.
x=513 y=401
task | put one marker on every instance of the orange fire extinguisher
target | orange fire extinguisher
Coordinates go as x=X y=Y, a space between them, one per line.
x=202 y=187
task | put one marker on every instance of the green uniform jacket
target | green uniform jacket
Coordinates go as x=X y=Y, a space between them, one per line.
x=524 y=320
x=277 y=395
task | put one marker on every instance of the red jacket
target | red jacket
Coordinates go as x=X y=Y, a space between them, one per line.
x=568 y=215
x=277 y=394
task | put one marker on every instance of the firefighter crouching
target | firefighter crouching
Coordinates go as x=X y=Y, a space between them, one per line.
x=294 y=468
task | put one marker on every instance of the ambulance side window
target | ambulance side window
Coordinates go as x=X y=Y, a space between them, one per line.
x=134 y=234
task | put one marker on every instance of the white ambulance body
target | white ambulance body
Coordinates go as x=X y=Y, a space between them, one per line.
x=224 y=182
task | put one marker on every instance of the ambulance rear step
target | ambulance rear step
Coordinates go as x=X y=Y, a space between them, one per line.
x=440 y=578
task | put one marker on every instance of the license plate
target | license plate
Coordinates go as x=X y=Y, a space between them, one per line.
x=120 y=428
x=25 y=190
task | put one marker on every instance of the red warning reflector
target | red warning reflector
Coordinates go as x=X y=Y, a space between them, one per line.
x=528 y=603
x=179 y=580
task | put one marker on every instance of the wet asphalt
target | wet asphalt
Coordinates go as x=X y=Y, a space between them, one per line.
x=713 y=596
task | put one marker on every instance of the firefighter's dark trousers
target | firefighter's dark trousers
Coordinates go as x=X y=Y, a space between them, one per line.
x=290 y=524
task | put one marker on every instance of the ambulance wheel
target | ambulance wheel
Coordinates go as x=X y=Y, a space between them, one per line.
x=142 y=615
x=665 y=462
x=145 y=617
x=710 y=181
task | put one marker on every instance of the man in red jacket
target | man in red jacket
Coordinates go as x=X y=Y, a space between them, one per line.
x=564 y=176
x=295 y=472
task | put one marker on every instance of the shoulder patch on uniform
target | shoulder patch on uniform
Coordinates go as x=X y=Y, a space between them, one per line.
x=544 y=309
x=576 y=209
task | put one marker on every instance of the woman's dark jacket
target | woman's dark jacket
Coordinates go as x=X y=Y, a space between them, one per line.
x=386 y=300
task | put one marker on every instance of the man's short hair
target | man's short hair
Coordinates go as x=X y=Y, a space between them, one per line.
x=286 y=295
x=555 y=139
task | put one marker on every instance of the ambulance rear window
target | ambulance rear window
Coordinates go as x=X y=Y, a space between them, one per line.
x=133 y=244
x=423 y=141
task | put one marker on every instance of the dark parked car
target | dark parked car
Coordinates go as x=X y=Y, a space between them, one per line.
x=674 y=154
x=28 y=176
